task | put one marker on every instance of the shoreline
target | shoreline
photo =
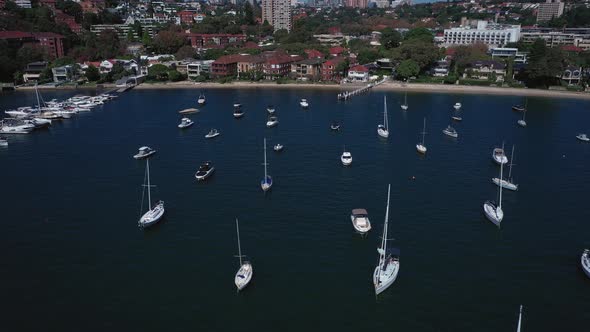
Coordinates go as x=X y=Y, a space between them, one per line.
x=388 y=86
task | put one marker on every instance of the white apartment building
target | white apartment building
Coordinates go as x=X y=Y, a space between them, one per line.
x=23 y=3
x=277 y=13
x=550 y=9
x=491 y=34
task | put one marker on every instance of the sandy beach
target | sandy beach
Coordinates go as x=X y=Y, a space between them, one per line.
x=389 y=86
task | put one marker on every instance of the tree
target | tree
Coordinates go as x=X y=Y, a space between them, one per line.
x=185 y=52
x=30 y=53
x=248 y=14
x=158 y=72
x=545 y=65
x=107 y=44
x=342 y=67
x=71 y=8
x=92 y=73
x=422 y=34
x=281 y=35
x=168 y=42
x=423 y=53
x=407 y=69
x=390 y=38
x=466 y=54
x=367 y=55
x=212 y=54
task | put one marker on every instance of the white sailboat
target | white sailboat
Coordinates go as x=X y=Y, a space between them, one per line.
x=266 y=183
x=507 y=183
x=585 y=261
x=153 y=215
x=386 y=272
x=499 y=156
x=522 y=122
x=383 y=129
x=492 y=211
x=519 y=319
x=420 y=146
x=404 y=106
x=244 y=274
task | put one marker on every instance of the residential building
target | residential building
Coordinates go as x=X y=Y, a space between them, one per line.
x=186 y=16
x=63 y=73
x=308 y=69
x=279 y=65
x=123 y=30
x=205 y=41
x=572 y=75
x=358 y=73
x=198 y=68
x=329 y=72
x=356 y=3
x=225 y=66
x=487 y=69
x=441 y=68
x=199 y=18
x=277 y=13
x=249 y=64
x=578 y=37
x=488 y=33
x=314 y=54
x=332 y=40
x=51 y=42
x=337 y=51
x=508 y=52
x=549 y=10
x=23 y=3
x=381 y=3
x=33 y=71
x=68 y=20
x=106 y=66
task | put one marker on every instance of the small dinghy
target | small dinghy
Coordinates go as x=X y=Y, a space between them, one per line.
x=270 y=109
x=457 y=118
x=272 y=121
x=457 y=106
x=450 y=131
x=238 y=112
x=205 y=170
x=583 y=137
x=189 y=111
x=185 y=123
x=212 y=133
x=278 y=147
x=303 y=103
x=335 y=126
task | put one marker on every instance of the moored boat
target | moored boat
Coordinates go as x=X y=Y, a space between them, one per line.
x=152 y=215
x=272 y=121
x=212 y=133
x=360 y=220
x=583 y=137
x=450 y=131
x=205 y=170
x=185 y=123
x=144 y=152
x=303 y=103
x=278 y=147
x=585 y=261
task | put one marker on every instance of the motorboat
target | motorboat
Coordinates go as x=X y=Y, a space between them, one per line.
x=201 y=101
x=3 y=141
x=518 y=108
x=212 y=133
x=335 y=126
x=245 y=272
x=405 y=106
x=457 y=118
x=450 y=131
x=494 y=211
x=457 y=106
x=585 y=261
x=237 y=105
x=388 y=268
x=15 y=127
x=153 y=214
x=507 y=183
x=38 y=123
x=205 y=170
x=272 y=121
x=360 y=220
x=144 y=152
x=270 y=109
x=278 y=147
x=189 y=111
x=185 y=123
x=266 y=182
x=583 y=137
x=383 y=129
x=499 y=156
x=304 y=103
x=420 y=147
x=346 y=158
x=238 y=112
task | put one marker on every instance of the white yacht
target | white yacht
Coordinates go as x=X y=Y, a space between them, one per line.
x=201 y=101
x=507 y=183
x=144 y=152
x=457 y=106
x=272 y=121
x=499 y=156
x=585 y=261
x=583 y=137
x=153 y=215
x=238 y=112
x=185 y=123
x=304 y=103
x=492 y=210
x=237 y=105
x=346 y=158
x=270 y=109
x=383 y=129
x=278 y=147
x=244 y=274
x=360 y=220
x=13 y=126
x=265 y=183
x=405 y=106
x=212 y=133
x=205 y=170
x=420 y=147
x=450 y=131
x=386 y=271
x=3 y=141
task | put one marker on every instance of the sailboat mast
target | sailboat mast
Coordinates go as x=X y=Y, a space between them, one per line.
x=519 y=319
x=385 y=113
x=386 y=222
x=264 y=159
x=148 y=184
x=239 y=246
x=511 y=163
x=406 y=98
x=501 y=174
x=37 y=94
x=423 y=131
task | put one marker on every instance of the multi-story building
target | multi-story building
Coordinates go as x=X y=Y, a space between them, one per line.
x=488 y=33
x=356 y=3
x=33 y=71
x=578 y=37
x=51 y=42
x=381 y=3
x=487 y=69
x=308 y=69
x=63 y=74
x=279 y=65
x=549 y=10
x=250 y=64
x=329 y=71
x=123 y=30
x=204 y=41
x=509 y=52
x=23 y=3
x=225 y=66
x=277 y=13
x=358 y=73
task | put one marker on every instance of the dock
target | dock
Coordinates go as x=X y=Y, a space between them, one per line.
x=349 y=94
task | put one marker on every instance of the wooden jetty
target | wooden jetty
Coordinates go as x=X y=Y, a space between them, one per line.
x=349 y=94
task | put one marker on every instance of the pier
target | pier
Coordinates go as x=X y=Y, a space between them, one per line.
x=349 y=94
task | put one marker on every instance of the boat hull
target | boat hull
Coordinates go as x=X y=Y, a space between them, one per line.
x=421 y=148
x=183 y=126
x=212 y=136
x=493 y=213
x=384 y=283
x=203 y=177
x=270 y=124
x=382 y=132
x=585 y=262
x=505 y=184
x=404 y=107
x=143 y=156
x=152 y=216
x=521 y=123
x=360 y=227
x=266 y=184
x=244 y=276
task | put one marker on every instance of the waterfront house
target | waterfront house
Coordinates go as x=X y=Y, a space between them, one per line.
x=279 y=65
x=572 y=75
x=486 y=69
x=63 y=73
x=251 y=65
x=441 y=68
x=225 y=66
x=33 y=70
x=358 y=73
x=308 y=69
x=198 y=68
x=329 y=71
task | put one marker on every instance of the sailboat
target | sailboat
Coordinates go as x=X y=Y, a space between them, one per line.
x=420 y=146
x=244 y=274
x=405 y=104
x=492 y=211
x=383 y=129
x=386 y=272
x=519 y=319
x=266 y=183
x=520 y=108
x=153 y=215
x=522 y=122
x=507 y=183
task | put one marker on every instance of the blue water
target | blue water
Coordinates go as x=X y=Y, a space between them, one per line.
x=74 y=259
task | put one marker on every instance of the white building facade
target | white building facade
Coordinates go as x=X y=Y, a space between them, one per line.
x=491 y=34
x=277 y=13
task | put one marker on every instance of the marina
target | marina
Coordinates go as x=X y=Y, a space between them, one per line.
x=301 y=227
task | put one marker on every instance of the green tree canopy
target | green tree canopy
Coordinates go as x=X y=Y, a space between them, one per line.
x=92 y=74
x=390 y=38
x=422 y=34
x=185 y=52
x=168 y=42
x=407 y=69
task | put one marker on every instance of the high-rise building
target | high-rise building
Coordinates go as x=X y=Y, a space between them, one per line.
x=549 y=10
x=277 y=13
x=357 y=3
